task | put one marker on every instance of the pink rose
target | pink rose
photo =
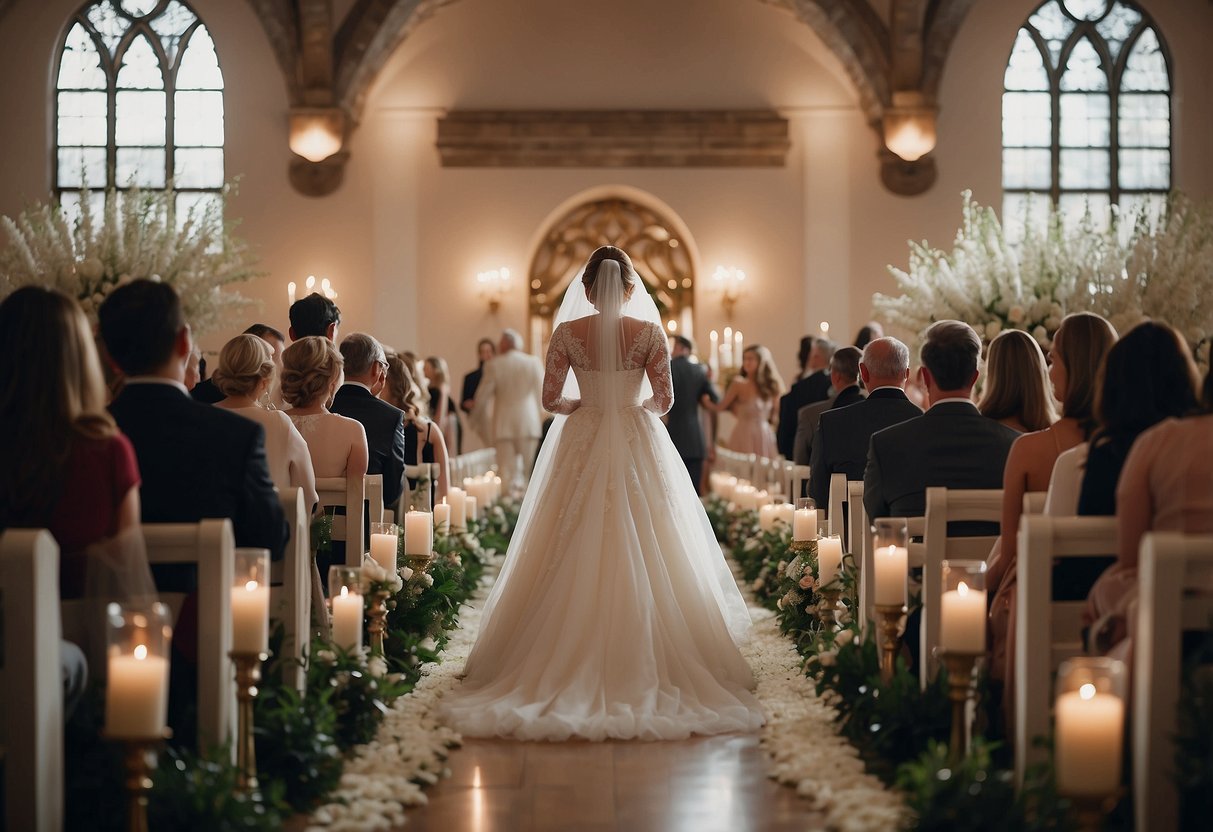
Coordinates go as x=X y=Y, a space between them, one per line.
x=806 y=582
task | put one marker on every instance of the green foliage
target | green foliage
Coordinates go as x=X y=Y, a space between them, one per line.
x=199 y=792
x=296 y=743
x=359 y=698
x=1194 y=749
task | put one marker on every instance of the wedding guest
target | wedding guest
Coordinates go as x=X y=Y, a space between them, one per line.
x=813 y=386
x=442 y=406
x=1017 y=389
x=485 y=351
x=206 y=391
x=844 y=384
x=423 y=440
x=691 y=391
x=314 y=315
x=802 y=357
x=246 y=371
x=840 y=444
x=365 y=375
x=512 y=386
x=868 y=333
x=751 y=398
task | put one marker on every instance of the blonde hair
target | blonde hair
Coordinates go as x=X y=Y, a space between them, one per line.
x=310 y=367
x=767 y=379
x=402 y=389
x=1017 y=382
x=438 y=365
x=244 y=362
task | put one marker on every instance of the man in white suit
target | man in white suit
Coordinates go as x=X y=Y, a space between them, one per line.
x=512 y=385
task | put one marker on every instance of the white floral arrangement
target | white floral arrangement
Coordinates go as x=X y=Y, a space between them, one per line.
x=1136 y=267
x=138 y=235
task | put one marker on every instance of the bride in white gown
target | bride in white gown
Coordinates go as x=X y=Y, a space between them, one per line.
x=615 y=615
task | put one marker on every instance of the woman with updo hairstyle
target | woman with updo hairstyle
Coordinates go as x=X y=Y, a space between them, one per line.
x=311 y=374
x=244 y=376
x=752 y=397
x=420 y=433
x=1017 y=390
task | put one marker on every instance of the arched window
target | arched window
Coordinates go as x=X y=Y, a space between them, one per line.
x=138 y=102
x=1086 y=111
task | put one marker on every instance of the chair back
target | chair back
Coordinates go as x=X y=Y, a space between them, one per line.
x=421 y=471
x=857 y=545
x=1175 y=587
x=349 y=492
x=867 y=571
x=472 y=464
x=1047 y=632
x=208 y=545
x=944 y=506
x=291 y=603
x=838 y=496
x=800 y=483
x=31 y=681
x=1034 y=502
x=374 y=497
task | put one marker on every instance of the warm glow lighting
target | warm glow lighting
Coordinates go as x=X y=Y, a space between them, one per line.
x=311 y=282
x=290 y=292
x=825 y=327
x=251 y=586
x=494 y=285
x=1087 y=691
x=729 y=280
x=316 y=134
x=962 y=589
x=672 y=326
x=909 y=126
x=345 y=590
x=141 y=653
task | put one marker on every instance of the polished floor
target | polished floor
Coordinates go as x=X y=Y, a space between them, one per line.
x=699 y=785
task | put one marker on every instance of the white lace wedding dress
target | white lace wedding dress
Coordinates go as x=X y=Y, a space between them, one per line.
x=615 y=615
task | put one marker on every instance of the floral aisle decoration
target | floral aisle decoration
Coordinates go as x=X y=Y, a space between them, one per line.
x=1132 y=267
x=138 y=234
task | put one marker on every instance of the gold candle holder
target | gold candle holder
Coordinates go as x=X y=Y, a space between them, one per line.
x=377 y=624
x=827 y=608
x=960 y=691
x=420 y=563
x=805 y=548
x=1091 y=812
x=891 y=618
x=248 y=675
x=139 y=760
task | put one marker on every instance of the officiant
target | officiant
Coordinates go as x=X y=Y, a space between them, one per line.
x=691 y=388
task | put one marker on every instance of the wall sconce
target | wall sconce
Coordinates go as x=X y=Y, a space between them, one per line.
x=494 y=285
x=729 y=281
x=309 y=285
x=909 y=137
x=317 y=136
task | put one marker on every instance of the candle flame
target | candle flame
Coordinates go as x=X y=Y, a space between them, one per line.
x=141 y=652
x=345 y=590
x=311 y=282
x=963 y=589
x=1087 y=691
x=250 y=586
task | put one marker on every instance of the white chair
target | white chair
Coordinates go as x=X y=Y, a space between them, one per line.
x=1175 y=581
x=800 y=482
x=838 y=496
x=944 y=506
x=857 y=540
x=867 y=574
x=348 y=492
x=423 y=470
x=1047 y=632
x=374 y=497
x=31 y=681
x=291 y=603
x=1034 y=502
x=208 y=545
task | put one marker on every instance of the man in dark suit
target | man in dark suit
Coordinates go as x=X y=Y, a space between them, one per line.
x=206 y=391
x=844 y=380
x=840 y=444
x=691 y=388
x=485 y=350
x=365 y=375
x=314 y=315
x=813 y=387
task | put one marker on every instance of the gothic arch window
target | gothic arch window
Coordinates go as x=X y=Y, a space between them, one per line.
x=1086 y=111
x=138 y=102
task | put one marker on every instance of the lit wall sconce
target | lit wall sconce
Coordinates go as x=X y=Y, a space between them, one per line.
x=909 y=137
x=309 y=286
x=494 y=286
x=825 y=329
x=729 y=281
x=317 y=136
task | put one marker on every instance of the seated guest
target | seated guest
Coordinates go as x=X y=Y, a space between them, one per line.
x=1017 y=389
x=844 y=381
x=423 y=440
x=868 y=333
x=314 y=315
x=365 y=375
x=1148 y=376
x=311 y=374
x=246 y=371
x=206 y=391
x=813 y=386
x=840 y=444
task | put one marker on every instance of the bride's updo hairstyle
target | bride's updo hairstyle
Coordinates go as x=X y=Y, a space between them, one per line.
x=311 y=369
x=590 y=277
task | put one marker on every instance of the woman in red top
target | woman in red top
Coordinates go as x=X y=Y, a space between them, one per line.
x=66 y=468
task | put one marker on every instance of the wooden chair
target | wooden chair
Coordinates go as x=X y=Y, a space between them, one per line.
x=31 y=682
x=1175 y=581
x=416 y=472
x=1047 y=632
x=349 y=492
x=208 y=545
x=800 y=483
x=291 y=603
x=838 y=496
x=857 y=539
x=374 y=497
x=1034 y=502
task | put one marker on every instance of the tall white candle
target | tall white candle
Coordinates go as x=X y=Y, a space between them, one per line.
x=829 y=558
x=766 y=517
x=891 y=568
x=804 y=524
x=250 y=618
x=347 y=620
x=785 y=513
x=962 y=620
x=383 y=550
x=457 y=498
x=442 y=516
x=136 y=699
x=472 y=506
x=418 y=533
x=1089 y=741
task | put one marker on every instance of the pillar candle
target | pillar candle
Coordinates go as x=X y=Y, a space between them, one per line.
x=418 y=533
x=1088 y=743
x=786 y=513
x=472 y=506
x=804 y=524
x=383 y=550
x=766 y=517
x=496 y=488
x=829 y=558
x=136 y=700
x=962 y=620
x=347 y=620
x=458 y=501
x=250 y=618
x=442 y=516
x=891 y=567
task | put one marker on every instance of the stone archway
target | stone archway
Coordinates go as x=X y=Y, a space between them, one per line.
x=658 y=244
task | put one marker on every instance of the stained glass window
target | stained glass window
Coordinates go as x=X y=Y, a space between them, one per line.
x=139 y=102
x=1086 y=112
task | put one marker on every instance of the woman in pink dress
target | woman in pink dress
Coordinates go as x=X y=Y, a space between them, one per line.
x=751 y=398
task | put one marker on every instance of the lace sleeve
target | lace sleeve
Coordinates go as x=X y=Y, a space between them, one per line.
x=658 y=369
x=554 y=375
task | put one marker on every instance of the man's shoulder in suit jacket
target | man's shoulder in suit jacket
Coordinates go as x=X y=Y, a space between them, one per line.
x=207 y=392
x=384 y=426
x=806 y=425
x=690 y=381
x=197 y=461
x=814 y=387
x=840 y=444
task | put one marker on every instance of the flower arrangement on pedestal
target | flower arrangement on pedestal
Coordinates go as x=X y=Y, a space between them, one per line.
x=1135 y=267
x=138 y=235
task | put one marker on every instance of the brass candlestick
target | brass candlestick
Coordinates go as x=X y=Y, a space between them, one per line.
x=805 y=548
x=248 y=675
x=1092 y=810
x=960 y=691
x=420 y=563
x=377 y=625
x=891 y=619
x=828 y=606
x=139 y=759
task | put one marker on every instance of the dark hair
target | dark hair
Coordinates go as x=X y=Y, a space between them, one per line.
x=263 y=330
x=684 y=342
x=626 y=271
x=806 y=347
x=845 y=362
x=140 y=323
x=1081 y=343
x=1146 y=377
x=950 y=351
x=864 y=337
x=314 y=315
